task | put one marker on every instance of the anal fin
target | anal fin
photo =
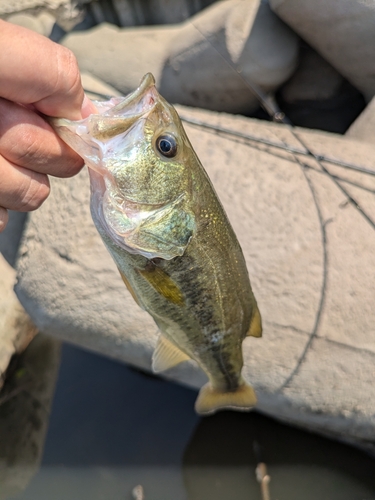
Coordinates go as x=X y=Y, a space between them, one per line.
x=166 y=355
x=255 y=329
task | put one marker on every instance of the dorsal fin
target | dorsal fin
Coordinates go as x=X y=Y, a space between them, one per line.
x=166 y=355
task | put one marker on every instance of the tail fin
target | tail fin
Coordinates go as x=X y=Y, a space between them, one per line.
x=211 y=400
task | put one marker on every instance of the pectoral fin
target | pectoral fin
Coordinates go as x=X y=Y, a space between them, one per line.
x=163 y=284
x=130 y=288
x=166 y=355
x=255 y=329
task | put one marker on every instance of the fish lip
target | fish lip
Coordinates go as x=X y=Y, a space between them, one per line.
x=145 y=94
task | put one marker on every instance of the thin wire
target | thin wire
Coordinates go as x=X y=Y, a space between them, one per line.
x=284 y=147
x=325 y=266
x=277 y=115
x=342 y=189
x=271 y=107
x=266 y=100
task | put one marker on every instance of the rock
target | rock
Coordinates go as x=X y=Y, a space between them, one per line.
x=314 y=79
x=24 y=410
x=42 y=24
x=309 y=252
x=317 y=96
x=363 y=128
x=16 y=328
x=229 y=36
x=67 y=13
x=100 y=52
x=342 y=32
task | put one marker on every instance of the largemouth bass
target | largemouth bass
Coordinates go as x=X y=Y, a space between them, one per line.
x=160 y=218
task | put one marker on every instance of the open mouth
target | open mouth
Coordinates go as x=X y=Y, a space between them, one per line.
x=119 y=114
x=142 y=98
x=99 y=132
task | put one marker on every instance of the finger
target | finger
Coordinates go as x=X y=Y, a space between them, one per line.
x=33 y=69
x=88 y=107
x=28 y=141
x=4 y=217
x=21 y=189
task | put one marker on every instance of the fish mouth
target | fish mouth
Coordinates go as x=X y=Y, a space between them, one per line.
x=113 y=118
x=116 y=118
x=143 y=95
x=118 y=115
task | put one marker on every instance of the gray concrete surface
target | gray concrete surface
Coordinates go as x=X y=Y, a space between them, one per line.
x=363 y=128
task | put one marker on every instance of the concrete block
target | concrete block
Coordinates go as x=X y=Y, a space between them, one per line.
x=196 y=62
x=307 y=232
x=342 y=32
x=362 y=129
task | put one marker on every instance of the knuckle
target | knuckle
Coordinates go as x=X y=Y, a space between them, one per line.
x=33 y=193
x=73 y=167
x=27 y=150
x=69 y=71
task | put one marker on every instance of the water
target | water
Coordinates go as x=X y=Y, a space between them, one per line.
x=112 y=428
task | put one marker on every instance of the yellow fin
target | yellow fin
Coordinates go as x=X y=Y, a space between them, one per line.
x=163 y=284
x=166 y=355
x=255 y=329
x=129 y=287
x=211 y=400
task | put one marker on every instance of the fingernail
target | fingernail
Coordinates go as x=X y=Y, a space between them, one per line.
x=88 y=107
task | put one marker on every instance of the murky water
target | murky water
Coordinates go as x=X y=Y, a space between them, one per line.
x=112 y=428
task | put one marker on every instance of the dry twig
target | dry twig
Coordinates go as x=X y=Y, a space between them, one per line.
x=263 y=479
x=138 y=493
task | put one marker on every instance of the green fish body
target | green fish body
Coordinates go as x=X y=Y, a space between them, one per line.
x=160 y=218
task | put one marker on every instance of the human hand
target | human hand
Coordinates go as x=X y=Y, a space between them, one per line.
x=36 y=76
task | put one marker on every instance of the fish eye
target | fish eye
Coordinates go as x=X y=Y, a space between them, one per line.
x=167 y=145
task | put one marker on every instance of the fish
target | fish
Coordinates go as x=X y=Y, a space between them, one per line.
x=160 y=218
